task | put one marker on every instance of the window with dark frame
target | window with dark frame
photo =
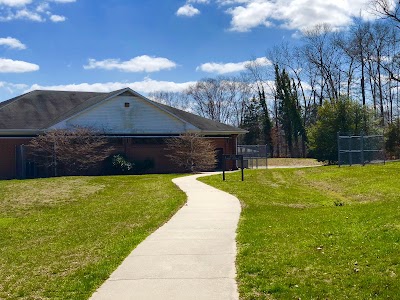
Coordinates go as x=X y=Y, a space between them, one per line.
x=127 y=104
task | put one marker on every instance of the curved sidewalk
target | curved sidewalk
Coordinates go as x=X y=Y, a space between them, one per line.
x=192 y=256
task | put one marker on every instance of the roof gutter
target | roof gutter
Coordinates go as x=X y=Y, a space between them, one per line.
x=223 y=132
x=33 y=132
x=20 y=132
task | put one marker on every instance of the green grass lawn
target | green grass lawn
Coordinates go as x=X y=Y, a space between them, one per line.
x=282 y=162
x=318 y=233
x=292 y=162
x=60 y=238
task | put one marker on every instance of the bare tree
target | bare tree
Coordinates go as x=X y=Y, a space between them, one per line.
x=322 y=53
x=72 y=151
x=359 y=41
x=292 y=60
x=175 y=99
x=240 y=92
x=219 y=99
x=390 y=10
x=387 y=9
x=192 y=152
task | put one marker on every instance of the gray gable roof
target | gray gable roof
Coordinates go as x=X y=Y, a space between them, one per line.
x=203 y=124
x=39 y=110
x=99 y=97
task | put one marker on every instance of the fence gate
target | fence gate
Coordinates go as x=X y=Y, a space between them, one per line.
x=360 y=149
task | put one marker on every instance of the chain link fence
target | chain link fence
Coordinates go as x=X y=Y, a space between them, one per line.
x=360 y=149
x=254 y=156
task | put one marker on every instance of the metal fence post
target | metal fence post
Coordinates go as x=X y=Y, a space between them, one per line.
x=362 y=149
x=350 y=152
x=338 y=146
x=266 y=156
x=383 y=147
x=258 y=155
x=223 y=168
x=242 y=161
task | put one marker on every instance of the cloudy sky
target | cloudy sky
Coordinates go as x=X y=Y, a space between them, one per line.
x=104 y=45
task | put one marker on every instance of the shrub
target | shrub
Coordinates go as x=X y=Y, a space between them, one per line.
x=73 y=151
x=121 y=164
x=192 y=152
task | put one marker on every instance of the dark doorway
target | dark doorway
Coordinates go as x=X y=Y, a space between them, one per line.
x=218 y=154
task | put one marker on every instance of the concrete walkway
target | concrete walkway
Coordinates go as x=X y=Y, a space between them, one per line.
x=190 y=257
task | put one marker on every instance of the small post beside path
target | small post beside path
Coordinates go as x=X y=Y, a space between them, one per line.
x=235 y=158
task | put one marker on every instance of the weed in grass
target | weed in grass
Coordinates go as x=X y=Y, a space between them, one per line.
x=338 y=203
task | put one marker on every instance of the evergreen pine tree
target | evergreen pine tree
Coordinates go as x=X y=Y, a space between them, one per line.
x=289 y=109
x=251 y=122
x=265 y=118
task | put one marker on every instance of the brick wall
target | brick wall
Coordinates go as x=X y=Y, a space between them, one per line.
x=140 y=151
x=133 y=148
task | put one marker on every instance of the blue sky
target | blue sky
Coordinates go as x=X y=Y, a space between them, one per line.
x=104 y=45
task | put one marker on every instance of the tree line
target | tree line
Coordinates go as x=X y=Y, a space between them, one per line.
x=352 y=75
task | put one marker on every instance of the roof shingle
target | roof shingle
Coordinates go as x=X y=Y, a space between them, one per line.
x=35 y=110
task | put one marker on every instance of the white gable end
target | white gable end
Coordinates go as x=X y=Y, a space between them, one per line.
x=128 y=115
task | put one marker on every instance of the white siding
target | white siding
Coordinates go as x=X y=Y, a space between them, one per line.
x=141 y=117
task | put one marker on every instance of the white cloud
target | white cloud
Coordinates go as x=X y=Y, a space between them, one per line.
x=199 y=1
x=230 y=2
x=15 y=2
x=14 y=86
x=142 y=63
x=64 y=1
x=43 y=7
x=146 y=86
x=12 y=43
x=12 y=89
x=149 y=85
x=291 y=14
x=57 y=18
x=224 y=68
x=16 y=66
x=25 y=14
x=254 y=14
x=187 y=10
x=22 y=14
x=31 y=10
x=295 y=14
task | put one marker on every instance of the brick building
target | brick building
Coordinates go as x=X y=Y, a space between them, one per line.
x=136 y=124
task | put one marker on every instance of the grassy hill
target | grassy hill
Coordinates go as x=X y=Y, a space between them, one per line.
x=60 y=238
x=318 y=233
